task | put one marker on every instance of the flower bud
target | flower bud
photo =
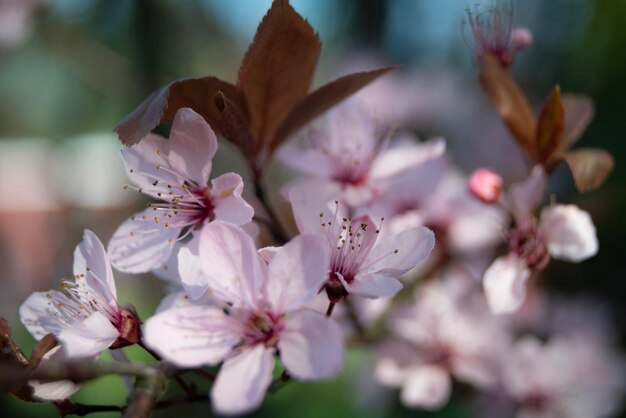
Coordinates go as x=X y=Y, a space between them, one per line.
x=485 y=185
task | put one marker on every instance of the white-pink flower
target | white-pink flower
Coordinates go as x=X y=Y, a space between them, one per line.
x=362 y=261
x=261 y=313
x=439 y=336
x=86 y=318
x=342 y=151
x=562 y=378
x=562 y=231
x=175 y=171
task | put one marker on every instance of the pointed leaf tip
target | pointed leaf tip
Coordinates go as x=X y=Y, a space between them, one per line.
x=277 y=70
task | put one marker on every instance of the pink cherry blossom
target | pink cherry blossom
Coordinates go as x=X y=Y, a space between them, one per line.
x=260 y=314
x=362 y=262
x=175 y=171
x=86 y=318
x=562 y=378
x=564 y=232
x=343 y=152
x=437 y=337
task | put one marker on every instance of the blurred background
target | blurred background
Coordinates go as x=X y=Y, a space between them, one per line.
x=70 y=70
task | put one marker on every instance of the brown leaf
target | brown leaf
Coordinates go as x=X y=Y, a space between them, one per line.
x=161 y=106
x=277 y=69
x=322 y=99
x=590 y=167
x=579 y=112
x=234 y=126
x=509 y=100
x=549 y=126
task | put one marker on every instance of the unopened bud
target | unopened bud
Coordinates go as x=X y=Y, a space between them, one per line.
x=485 y=185
x=521 y=38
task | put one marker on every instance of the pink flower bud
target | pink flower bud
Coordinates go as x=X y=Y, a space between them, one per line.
x=521 y=38
x=485 y=185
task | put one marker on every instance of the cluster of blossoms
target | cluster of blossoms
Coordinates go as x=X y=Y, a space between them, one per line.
x=375 y=216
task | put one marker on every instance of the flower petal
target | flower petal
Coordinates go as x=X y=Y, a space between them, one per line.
x=40 y=316
x=396 y=254
x=89 y=337
x=310 y=197
x=243 y=381
x=229 y=205
x=192 y=146
x=372 y=285
x=407 y=156
x=504 y=284
x=569 y=231
x=427 y=387
x=192 y=336
x=231 y=264
x=141 y=244
x=91 y=259
x=311 y=346
x=194 y=281
x=297 y=272
x=525 y=196
x=53 y=391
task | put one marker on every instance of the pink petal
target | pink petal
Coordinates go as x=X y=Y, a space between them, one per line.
x=427 y=387
x=310 y=197
x=192 y=146
x=504 y=284
x=53 y=391
x=89 y=337
x=192 y=336
x=396 y=159
x=141 y=244
x=142 y=161
x=40 y=316
x=243 y=381
x=229 y=205
x=297 y=272
x=394 y=359
x=194 y=281
x=396 y=254
x=311 y=346
x=524 y=197
x=372 y=285
x=569 y=232
x=91 y=259
x=231 y=264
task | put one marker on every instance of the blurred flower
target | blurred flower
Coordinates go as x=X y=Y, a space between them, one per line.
x=437 y=336
x=562 y=231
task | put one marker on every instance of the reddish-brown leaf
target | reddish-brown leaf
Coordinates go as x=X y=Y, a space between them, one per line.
x=322 y=99
x=549 y=127
x=590 y=167
x=161 y=106
x=509 y=101
x=234 y=125
x=277 y=69
x=579 y=112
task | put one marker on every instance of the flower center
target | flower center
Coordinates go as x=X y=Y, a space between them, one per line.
x=262 y=328
x=528 y=243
